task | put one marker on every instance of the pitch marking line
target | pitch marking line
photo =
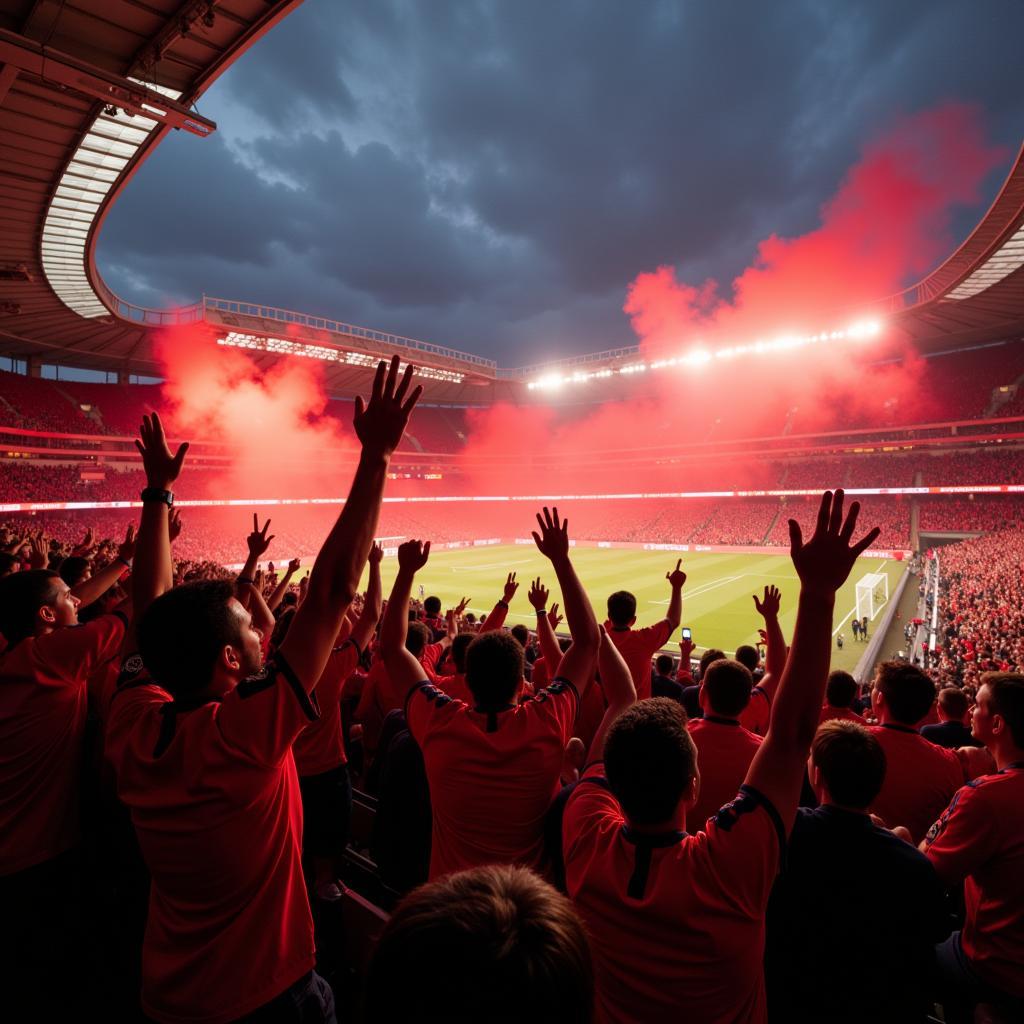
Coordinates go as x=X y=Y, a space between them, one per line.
x=852 y=611
x=704 y=588
x=489 y=567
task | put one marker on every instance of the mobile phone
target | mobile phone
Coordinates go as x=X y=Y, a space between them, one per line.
x=687 y=635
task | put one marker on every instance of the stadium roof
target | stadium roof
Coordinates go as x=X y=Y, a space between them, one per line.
x=87 y=90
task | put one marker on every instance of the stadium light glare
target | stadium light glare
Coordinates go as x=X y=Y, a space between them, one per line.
x=700 y=355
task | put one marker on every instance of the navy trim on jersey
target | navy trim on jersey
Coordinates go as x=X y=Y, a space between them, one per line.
x=644 y=844
x=721 y=720
x=748 y=800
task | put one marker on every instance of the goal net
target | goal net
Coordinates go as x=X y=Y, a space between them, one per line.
x=872 y=594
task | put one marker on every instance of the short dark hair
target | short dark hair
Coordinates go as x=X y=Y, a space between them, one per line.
x=519 y=943
x=183 y=632
x=851 y=761
x=953 y=701
x=748 y=656
x=841 y=688
x=664 y=663
x=460 y=643
x=22 y=594
x=432 y=606
x=710 y=655
x=650 y=759
x=494 y=669
x=8 y=563
x=1007 y=690
x=521 y=633
x=621 y=607
x=417 y=637
x=73 y=569
x=728 y=684
x=908 y=691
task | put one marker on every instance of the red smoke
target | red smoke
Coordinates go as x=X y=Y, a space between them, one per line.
x=888 y=223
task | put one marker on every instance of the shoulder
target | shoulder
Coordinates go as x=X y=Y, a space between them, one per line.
x=558 y=689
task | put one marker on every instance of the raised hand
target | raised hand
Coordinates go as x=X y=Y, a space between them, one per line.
x=553 y=539
x=126 y=551
x=686 y=648
x=676 y=577
x=376 y=555
x=768 y=606
x=413 y=555
x=258 y=540
x=462 y=606
x=825 y=561
x=294 y=565
x=161 y=467
x=510 y=588
x=553 y=617
x=538 y=595
x=84 y=549
x=38 y=556
x=763 y=634
x=174 y=525
x=380 y=423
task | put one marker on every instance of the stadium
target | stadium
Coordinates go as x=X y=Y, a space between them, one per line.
x=691 y=448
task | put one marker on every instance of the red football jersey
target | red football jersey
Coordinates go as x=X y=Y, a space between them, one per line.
x=492 y=775
x=214 y=798
x=920 y=779
x=724 y=752
x=43 y=704
x=756 y=716
x=676 y=921
x=980 y=840
x=830 y=713
x=321 y=745
x=637 y=647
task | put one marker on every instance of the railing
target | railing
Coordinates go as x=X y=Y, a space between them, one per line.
x=521 y=372
x=143 y=315
x=338 y=327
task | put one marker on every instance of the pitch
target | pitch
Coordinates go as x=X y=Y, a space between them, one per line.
x=717 y=603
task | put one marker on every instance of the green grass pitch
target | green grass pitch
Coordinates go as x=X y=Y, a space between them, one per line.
x=717 y=603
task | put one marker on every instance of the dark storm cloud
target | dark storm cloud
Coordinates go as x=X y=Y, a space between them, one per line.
x=492 y=175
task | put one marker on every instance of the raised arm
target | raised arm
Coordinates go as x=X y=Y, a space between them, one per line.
x=676 y=578
x=153 y=572
x=336 y=571
x=404 y=671
x=823 y=564
x=496 y=618
x=282 y=586
x=362 y=630
x=577 y=664
x=775 y=659
x=549 y=649
x=100 y=582
x=257 y=543
x=619 y=691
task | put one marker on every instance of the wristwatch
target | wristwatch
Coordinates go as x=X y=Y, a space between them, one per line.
x=156 y=494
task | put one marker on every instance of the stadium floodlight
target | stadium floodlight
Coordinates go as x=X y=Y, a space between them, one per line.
x=700 y=355
x=872 y=594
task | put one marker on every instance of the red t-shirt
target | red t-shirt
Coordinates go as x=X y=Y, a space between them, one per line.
x=920 y=779
x=456 y=687
x=321 y=745
x=830 y=713
x=492 y=775
x=724 y=752
x=43 y=704
x=637 y=647
x=676 y=921
x=756 y=716
x=980 y=840
x=214 y=798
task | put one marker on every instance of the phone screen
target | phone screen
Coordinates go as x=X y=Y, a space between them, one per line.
x=686 y=633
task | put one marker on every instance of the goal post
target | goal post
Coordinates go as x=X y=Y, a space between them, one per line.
x=872 y=594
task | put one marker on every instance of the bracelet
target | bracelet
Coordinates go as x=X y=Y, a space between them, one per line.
x=157 y=494
x=246 y=579
x=542 y=611
x=503 y=603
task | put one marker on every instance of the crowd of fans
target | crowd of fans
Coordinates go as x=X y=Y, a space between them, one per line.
x=562 y=829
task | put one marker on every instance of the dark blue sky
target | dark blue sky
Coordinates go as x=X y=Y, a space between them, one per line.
x=492 y=175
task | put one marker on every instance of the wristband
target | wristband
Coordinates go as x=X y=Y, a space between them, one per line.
x=503 y=603
x=124 y=562
x=157 y=494
x=246 y=579
x=542 y=611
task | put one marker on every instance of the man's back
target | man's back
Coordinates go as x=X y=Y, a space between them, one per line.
x=637 y=647
x=724 y=752
x=214 y=799
x=492 y=774
x=818 y=920
x=676 y=921
x=920 y=779
x=950 y=735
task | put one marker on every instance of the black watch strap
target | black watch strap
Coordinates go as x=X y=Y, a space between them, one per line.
x=155 y=494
